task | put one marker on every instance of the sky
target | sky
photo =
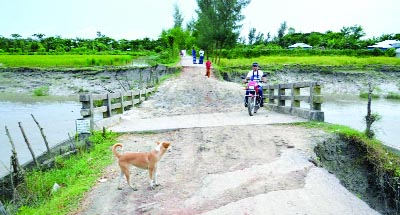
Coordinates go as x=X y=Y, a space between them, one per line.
x=137 y=19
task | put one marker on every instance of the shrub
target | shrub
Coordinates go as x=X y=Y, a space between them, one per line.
x=390 y=52
x=364 y=95
x=393 y=95
x=41 y=91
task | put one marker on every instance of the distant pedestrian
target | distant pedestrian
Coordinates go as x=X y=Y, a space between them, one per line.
x=194 y=55
x=208 y=68
x=201 y=53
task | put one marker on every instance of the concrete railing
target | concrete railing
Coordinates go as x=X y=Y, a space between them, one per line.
x=110 y=104
x=309 y=92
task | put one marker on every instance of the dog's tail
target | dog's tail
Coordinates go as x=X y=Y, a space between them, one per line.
x=114 y=149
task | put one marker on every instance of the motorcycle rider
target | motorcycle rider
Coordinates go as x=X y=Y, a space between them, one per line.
x=255 y=75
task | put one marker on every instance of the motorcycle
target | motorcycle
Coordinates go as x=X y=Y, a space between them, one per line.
x=253 y=98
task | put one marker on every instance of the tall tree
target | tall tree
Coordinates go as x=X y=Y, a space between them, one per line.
x=281 y=32
x=254 y=38
x=39 y=36
x=178 y=18
x=218 y=23
x=352 y=36
x=252 y=35
x=259 y=38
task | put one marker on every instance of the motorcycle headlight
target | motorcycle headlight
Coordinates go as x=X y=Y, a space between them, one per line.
x=251 y=87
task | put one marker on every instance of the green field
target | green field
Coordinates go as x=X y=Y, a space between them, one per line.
x=77 y=61
x=63 y=61
x=310 y=60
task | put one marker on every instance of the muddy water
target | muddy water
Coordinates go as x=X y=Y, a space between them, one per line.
x=351 y=111
x=56 y=115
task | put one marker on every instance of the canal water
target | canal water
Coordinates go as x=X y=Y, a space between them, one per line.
x=351 y=111
x=57 y=116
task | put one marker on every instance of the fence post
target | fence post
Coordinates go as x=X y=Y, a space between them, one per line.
x=132 y=98
x=44 y=137
x=295 y=92
x=315 y=102
x=316 y=92
x=17 y=171
x=107 y=103
x=91 y=111
x=122 y=102
x=271 y=99
x=14 y=151
x=87 y=108
x=140 y=95
x=29 y=145
x=281 y=92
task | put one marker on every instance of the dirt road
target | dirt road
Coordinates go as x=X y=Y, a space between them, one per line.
x=221 y=169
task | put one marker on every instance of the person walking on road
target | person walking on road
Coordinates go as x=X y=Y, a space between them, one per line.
x=194 y=55
x=208 y=68
x=201 y=53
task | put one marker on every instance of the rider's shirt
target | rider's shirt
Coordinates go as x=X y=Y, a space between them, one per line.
x=255 y=75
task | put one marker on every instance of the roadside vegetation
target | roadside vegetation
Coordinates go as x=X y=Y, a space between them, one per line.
x=75 y=175
x=279 y=61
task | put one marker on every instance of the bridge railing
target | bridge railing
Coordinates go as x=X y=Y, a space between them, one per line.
x=107 y=105
x=280 y=95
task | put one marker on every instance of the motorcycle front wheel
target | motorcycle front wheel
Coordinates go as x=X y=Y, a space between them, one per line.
x=251 y=105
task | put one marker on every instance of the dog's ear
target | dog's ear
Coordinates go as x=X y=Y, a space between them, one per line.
x=166 y=144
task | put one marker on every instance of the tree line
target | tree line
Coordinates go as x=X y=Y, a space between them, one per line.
x=216 y=30
x=40 y=44
x=347 y=38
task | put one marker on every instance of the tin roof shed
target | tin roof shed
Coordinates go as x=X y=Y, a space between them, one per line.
x=387 y=44
x=300 y=45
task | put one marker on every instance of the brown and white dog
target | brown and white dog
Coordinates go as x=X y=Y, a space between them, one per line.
x=143 y=160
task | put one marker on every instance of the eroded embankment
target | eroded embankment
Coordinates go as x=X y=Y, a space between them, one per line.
x=363 y=170
x=71 y=82
x=335 y=79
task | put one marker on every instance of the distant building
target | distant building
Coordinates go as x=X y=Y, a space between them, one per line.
x=300 y=45
x=384 y=45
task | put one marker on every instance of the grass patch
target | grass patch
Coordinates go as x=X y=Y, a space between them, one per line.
x=41 y=91
x=168 y=76
x=392 y=95
x=66 y=61
x=364 y=95
x=310 y=60
x=76 y=175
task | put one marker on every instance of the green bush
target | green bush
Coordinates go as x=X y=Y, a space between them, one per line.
x=393 y=95
x=364 y=95
x=262 y=50
x=390 y=53
x=41 y=91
